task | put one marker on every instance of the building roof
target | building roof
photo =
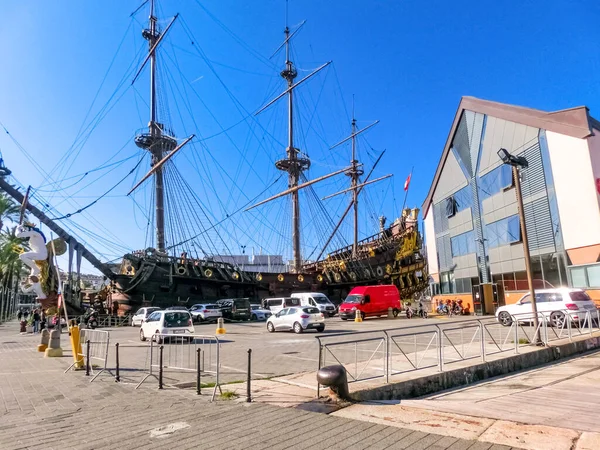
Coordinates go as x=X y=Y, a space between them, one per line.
x=575 y=122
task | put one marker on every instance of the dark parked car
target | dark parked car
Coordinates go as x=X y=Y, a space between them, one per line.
x=235 y=308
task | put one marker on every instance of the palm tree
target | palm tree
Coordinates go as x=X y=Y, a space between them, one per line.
x=11 y=267
x=9 y=210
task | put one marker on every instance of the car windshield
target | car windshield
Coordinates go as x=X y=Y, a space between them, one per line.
x=321 y=299
x=176 y=308
x=311 y=310
x=580 y=296
x=255 y=306
x=177 y=319
x=353 y=299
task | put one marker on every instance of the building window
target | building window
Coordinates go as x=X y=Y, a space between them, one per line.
x=463 y=244
x=496 y=181
x=459 y=201
x=450 y=207
x=463 y=286
x=586 y=276
x=503 y=232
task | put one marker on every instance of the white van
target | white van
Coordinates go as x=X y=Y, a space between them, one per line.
x=317 y=300
x=278 y=303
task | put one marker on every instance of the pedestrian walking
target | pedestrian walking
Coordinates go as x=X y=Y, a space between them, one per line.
x=19 y=314
x=36 y=320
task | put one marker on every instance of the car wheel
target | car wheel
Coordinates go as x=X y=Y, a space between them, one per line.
x=557 y=319
x=254 y=317
x=142 y=337
x=321 y=329
x=505 y=319
x=395 y=312
x=158 y=339
x=270 y=327
x=298 y=328
x=362 y=315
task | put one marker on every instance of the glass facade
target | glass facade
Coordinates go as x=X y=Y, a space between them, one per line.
x=503 y=232
x=459 y=201
x=496 y=181
x=463 y=244
x=586 y=276
x=549 y=261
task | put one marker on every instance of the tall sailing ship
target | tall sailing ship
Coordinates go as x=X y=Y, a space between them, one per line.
x=158 y=276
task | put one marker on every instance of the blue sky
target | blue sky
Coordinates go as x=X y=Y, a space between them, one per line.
x=406 y=62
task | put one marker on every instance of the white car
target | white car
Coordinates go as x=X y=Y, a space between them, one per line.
x=554 y=304
x=258 y=313
x=141 y=315
x=297 y=319
x=176 y=323
x=205 y=312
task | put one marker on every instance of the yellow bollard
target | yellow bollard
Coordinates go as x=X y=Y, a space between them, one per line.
x=76 y=345
x=220 y=326
x=358 y=316
x=45 y=339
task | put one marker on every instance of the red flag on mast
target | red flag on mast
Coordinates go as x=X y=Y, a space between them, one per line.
x=407 y=182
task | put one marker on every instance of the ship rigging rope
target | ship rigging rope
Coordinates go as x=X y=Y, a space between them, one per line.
x=229 y=216
x=205 y=164
x=66 y=216
x=46 y=175
x=81 y=176
x=85 y=131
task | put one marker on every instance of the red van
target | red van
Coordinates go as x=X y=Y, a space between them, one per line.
x=371 y=301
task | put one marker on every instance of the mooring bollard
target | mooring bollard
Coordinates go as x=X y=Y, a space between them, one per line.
x=117 y=375
x=160 y=367
x=198 y=370
x=54 y=349
x=87 y=358
x=248 y=387
x=44 y=341
x=335 y=378
x=220 y=326
x=358 y=316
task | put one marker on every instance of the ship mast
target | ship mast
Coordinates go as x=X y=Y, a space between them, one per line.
x=293 y=164
x=156 y=141
x=354 y=172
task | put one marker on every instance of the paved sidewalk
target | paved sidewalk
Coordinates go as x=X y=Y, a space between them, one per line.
x=552 y=407
x=40 y=407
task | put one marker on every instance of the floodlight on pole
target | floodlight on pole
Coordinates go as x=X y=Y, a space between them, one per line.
x=517 y=163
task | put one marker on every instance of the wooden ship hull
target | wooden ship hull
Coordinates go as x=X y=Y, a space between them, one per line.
x=390 y=257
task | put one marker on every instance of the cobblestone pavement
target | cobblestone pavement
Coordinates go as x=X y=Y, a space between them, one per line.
x=41 y=407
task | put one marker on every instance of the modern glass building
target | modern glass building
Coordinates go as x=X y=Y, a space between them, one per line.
x=472 y=225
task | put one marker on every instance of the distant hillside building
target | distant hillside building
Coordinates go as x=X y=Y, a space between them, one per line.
x=472 y=225
x=255 y=263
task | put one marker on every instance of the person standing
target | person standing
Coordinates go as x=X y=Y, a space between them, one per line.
x=36 y=320
x=19 y=314
x=25 y=314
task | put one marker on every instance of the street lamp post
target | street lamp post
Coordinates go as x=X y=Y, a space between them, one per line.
x=519 y=162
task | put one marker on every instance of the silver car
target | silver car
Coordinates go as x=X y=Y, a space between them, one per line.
x=297 y=319
x=258 y=313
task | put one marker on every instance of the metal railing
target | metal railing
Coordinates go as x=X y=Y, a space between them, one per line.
x=94 y=346
x=383 y=353
x=184 y=353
